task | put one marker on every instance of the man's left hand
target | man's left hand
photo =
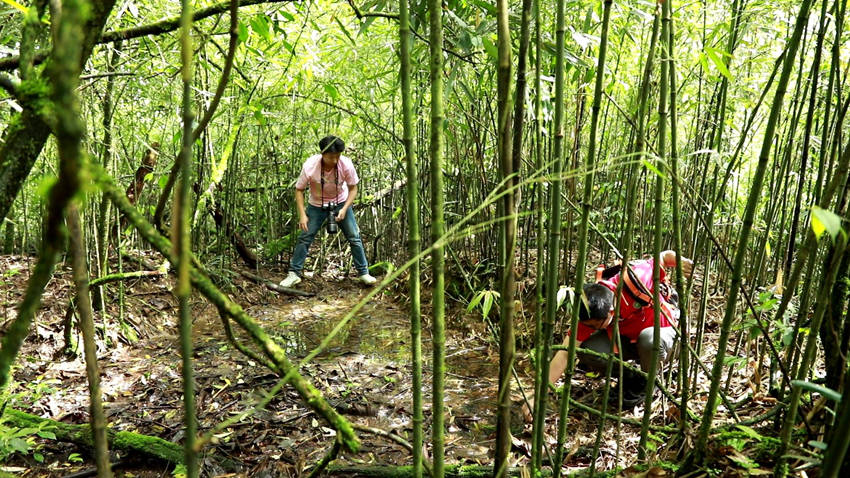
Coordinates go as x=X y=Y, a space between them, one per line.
x=341 y=215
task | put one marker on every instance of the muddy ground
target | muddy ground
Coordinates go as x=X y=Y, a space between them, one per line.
x=365 y=373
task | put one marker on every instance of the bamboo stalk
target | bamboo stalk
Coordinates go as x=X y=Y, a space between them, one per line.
x=438 y=300
x=554 y=233
x=741 y=253
x=181 y=238
x=507 y=342
x=84 y=305
x=412 y=199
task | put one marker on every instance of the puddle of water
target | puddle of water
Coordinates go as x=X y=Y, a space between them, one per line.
x=379 y=334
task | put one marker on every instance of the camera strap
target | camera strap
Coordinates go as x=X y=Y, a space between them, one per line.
x=322 y=181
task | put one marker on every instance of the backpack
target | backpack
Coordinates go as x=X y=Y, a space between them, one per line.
x=632 y=284
x=639 y=292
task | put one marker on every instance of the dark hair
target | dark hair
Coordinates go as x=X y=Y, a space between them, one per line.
x=597 y=300
x=331 y=144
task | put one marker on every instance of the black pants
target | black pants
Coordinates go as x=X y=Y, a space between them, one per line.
x=640 y=351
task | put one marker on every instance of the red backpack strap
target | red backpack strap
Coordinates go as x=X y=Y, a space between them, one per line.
x=636 y=288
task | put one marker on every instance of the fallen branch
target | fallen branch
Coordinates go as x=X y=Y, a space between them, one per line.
x=378 y=196
x=275 y=287
x=236 y=239
x=126 y=276
x=617 y=418
x=325 y=461
x=392 y=437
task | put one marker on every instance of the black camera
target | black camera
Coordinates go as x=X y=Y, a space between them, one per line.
x=332 y=226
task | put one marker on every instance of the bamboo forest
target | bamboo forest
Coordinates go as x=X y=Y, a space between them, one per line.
x=428 y=238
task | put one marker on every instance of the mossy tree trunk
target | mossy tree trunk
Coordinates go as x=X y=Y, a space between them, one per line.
x=71 y=36
x=225 y=306
x=27 y=132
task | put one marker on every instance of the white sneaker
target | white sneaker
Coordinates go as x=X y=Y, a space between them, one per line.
x=290 y=280
x=367 y=279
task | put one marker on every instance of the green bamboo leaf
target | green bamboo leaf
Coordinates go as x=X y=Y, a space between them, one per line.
x=714 y=55
x=344 y=30
x=651 y=166
x=490 y=47
x=332 y=91
x=260 y=25
x=475 y=300
x=813 y=387
x=486 y=6
x=242 y=32
x=818 y=444
x=14 y=4
x=749 y=431
x=365 y=24
x=488 y=303
x=825 y=221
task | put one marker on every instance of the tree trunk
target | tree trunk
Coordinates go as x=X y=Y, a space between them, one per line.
x=236 y=239
x=27 y=132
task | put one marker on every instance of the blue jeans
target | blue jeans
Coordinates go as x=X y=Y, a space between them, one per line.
x=315 y=219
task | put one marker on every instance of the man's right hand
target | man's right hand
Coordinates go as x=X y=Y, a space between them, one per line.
x=687 y=267
x=302 y=223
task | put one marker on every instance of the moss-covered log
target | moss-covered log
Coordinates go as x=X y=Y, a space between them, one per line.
x=154 y=447
x=126 y=276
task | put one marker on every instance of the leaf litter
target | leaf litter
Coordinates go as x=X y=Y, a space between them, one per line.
x=364 y=373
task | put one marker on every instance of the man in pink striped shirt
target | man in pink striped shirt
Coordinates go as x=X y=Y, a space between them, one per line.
x=333 y=186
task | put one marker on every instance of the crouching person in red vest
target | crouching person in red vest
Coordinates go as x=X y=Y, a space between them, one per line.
x=596 y=322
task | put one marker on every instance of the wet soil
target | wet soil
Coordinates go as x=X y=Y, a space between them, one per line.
x=364 y=372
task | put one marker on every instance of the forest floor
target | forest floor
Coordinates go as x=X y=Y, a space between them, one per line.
x=364 y=373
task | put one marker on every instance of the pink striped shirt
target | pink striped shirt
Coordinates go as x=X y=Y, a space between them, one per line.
x=336 y=181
